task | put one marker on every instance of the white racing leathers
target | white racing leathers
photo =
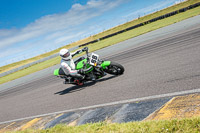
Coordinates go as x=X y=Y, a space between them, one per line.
x=68 y=66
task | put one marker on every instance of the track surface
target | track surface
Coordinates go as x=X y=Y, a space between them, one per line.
x=161 y=65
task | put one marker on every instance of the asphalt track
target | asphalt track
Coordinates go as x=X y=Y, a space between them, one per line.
x=164 y=63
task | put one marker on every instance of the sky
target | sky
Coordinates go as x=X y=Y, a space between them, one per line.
x=32 y=27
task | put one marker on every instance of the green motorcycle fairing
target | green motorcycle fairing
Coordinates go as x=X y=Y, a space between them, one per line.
x=56 y=72
x=105 y=64
x=81 y=64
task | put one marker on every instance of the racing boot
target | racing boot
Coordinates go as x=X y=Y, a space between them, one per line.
x=79 y=81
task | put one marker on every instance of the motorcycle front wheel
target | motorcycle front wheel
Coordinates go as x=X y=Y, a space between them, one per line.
x=115 y=69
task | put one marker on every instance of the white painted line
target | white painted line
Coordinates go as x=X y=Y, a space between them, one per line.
x=109 y=104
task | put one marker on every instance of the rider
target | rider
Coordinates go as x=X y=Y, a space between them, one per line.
x=68 y=66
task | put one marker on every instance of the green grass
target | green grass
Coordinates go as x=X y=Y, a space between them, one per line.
x=187 y=125
x=109 y=41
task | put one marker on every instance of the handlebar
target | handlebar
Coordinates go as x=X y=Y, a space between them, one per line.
x=85 y=49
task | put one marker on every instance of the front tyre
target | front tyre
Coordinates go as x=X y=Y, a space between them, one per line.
x=114 y=69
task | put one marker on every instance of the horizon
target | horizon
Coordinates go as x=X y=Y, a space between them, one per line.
x=47 y=31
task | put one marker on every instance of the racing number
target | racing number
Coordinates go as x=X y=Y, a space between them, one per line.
x=94 y=59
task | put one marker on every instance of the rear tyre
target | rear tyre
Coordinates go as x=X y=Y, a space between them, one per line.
x=115 y=69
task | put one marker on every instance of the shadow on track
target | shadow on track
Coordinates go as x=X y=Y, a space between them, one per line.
x=79 y=88
x=74 y=89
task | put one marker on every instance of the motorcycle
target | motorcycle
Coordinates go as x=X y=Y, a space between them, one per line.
x=93 y=67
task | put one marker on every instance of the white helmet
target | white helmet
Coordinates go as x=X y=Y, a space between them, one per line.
x=65 y=54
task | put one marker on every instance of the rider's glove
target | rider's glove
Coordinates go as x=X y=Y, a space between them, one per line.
x=85 y=49
x=78 y=52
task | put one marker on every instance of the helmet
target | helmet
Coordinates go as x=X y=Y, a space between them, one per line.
x=65 y=54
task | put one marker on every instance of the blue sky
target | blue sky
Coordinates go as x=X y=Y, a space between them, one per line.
x=31 y=27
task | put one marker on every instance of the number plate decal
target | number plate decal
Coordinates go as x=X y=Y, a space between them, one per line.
x=94 y=59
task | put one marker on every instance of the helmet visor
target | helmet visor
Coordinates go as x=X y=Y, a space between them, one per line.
x=66 y=55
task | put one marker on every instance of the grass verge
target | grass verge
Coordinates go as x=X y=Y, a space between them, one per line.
x=115 y=39
x=187 y=125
